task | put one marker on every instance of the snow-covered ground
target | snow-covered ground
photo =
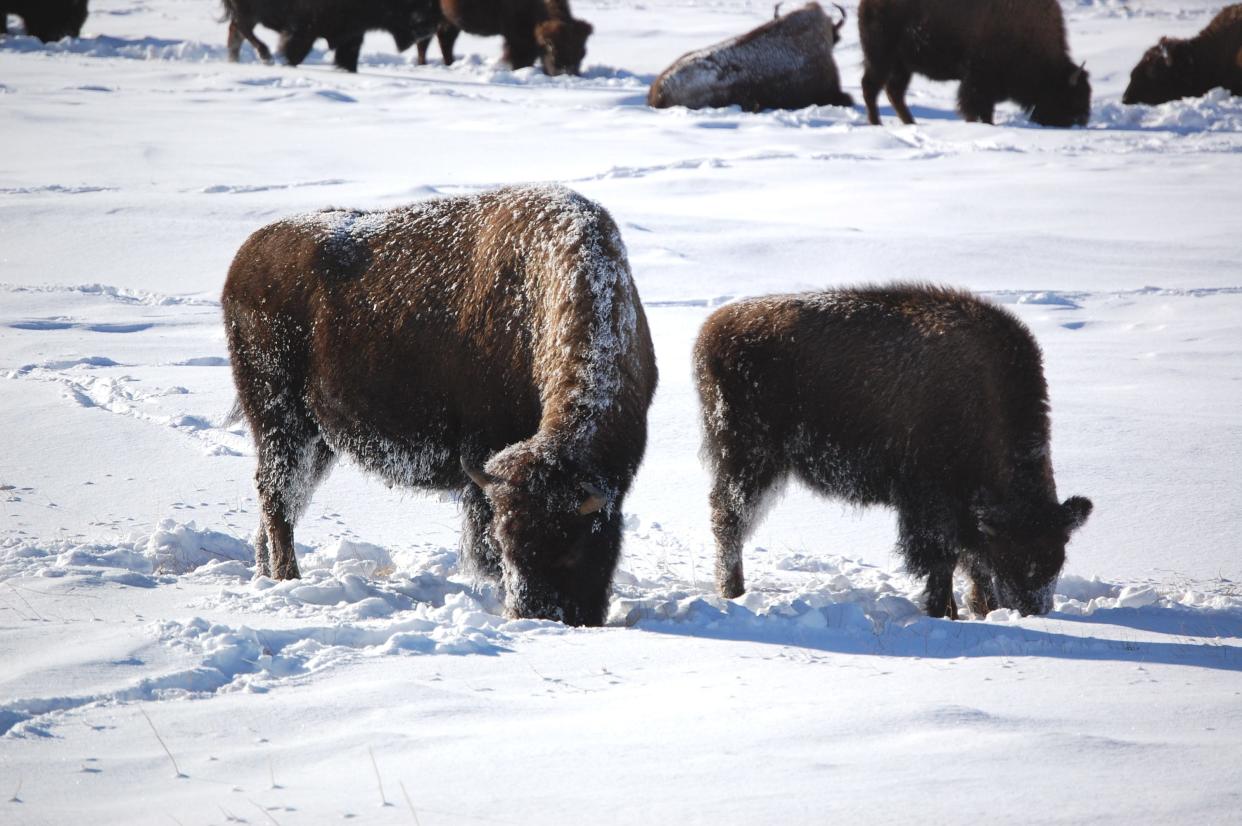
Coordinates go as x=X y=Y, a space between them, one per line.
x=136 y=159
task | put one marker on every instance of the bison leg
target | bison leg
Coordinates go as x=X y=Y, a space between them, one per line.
x=421 y=46
x=479 y=555
x=895 y=88
x=975 y=100
x=289 y=471
x=871 y=84
x=939 y=593
x=736 y=502
x=345 y=56
x=446 y=34
x=296 y=45
x=928 y=551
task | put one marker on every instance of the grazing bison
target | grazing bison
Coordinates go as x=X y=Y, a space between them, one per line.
x=48 y=20
x=926 y=399
x=1176 y=68
x=543 y=30
x=784 y=64
x=343 y=23
x=998 y=49
x=490 y=344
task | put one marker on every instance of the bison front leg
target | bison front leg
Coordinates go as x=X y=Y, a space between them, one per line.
x=479 y=554
x=345 y=56
x=446 y=34
x=976 y=101
x=929 y=552
x=938 y=597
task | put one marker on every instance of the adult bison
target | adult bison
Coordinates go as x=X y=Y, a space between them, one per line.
x=533 y=30
x=343 y=23
x=784 y=64
x=998 y=49
x=925 y=399
x=48 y=20
x=1179 y=68
x=491 y=344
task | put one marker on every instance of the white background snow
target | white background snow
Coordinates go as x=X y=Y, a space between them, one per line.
x=135 y=161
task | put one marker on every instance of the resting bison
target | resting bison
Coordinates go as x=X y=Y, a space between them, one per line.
x=492 y=344
x=926 y=399
x=784 y=64
x=341 y=22
x=998 y=49
x=1176 y=68
x=48 y=20
x=543 y=30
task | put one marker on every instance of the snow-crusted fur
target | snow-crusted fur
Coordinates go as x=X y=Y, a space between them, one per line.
x=543 y=30
x=48 y=20
x=496 y=337
x=999 y=49
x=926 y=399
x=343 y=23
x=1180 y=68
x=784 y=64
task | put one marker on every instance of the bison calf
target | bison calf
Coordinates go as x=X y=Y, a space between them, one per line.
x=343 y=23
x=48 y=20
x=784 y=64
x=543 y=30
x=1176 y=68
x=492 y=344
x=925 y=399
x=998 y=49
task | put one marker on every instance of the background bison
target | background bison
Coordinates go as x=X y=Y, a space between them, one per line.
x=492 y=344
x=47 y=20
x=784 y=64
x=998 y=49
x=925 y=399
x=1176 y=68
x=343 y=23
x=533 y=30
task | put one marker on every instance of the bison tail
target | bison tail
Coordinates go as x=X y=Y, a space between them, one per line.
x=230 y=11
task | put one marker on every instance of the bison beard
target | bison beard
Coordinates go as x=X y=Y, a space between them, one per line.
x=925 y=399
x=493 y=344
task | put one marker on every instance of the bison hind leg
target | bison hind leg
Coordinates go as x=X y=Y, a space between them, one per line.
x=895 y=88
x=737 y=499
x=288 y=472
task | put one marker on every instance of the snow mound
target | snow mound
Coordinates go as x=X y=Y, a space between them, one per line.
x=1217 y=111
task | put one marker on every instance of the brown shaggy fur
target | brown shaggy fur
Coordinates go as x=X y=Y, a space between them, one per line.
x=1176 y=68
x=543 y=30
x=925 y=399
x=784 y=64
x=998 y=49
x=493 y=345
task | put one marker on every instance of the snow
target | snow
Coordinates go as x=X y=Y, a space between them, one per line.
x=137 y=160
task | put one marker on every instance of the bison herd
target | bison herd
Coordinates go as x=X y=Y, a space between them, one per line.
x=998 y=49
x=495 y=344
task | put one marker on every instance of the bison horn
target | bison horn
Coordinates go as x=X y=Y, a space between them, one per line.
x=1077 y=73
x=595 y=500
x=836 y=27
x=776 y=11
x=477 y=475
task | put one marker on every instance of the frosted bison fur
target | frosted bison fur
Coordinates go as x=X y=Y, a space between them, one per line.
x=48 y=20
x=1179 y=68
x=924 y=399
x=533 y=30
x=999 y=50
x=784 y=64
x=491 y=344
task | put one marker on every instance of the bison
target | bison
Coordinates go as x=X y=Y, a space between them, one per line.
x=343 y=23
x=1177 y=68
x=543 y=30
x=925 y=399
x=784 y=64
x=490 y=344
x=48 y=20
x=998 y=49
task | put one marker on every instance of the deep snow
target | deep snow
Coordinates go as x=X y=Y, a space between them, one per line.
x=135 y=162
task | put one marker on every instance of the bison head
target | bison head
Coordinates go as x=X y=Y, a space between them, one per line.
x=1022 y=555
x=412 y=20
x=1066 y=102
x=557 y=533
x=563 y=44
x=1165 y=73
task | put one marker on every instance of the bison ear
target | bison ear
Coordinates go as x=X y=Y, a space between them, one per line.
x=595 y=500
x=1075 y=511
x=479 y=476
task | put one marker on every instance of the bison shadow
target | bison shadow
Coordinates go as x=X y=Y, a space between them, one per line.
x=845 y=628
